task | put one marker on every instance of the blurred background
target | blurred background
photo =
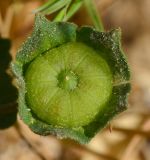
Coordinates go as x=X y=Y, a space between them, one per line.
x=128 y=135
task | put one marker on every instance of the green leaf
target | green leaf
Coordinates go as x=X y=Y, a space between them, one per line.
x=8 y=93
x=53 y=7
x=92 y=10
x=72 y=82
x=65 y=15
x=60 y=16
x=45 y=6
x=73 y=9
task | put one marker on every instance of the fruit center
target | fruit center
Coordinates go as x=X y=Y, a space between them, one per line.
x=67 y=80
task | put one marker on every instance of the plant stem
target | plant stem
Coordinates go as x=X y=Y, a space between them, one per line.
x=52 y=6
x=60 y=16
x=92 y=10
x=73 y=9
x=45 y=6
x=63 y=15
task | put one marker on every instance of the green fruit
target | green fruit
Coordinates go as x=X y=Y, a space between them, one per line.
x=72 y=81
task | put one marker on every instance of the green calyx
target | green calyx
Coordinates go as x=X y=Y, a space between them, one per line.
x=72 y=81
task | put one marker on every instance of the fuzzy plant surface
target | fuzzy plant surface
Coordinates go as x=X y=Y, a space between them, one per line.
x=72 y=81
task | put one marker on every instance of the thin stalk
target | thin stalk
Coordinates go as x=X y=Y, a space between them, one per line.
x=73 y=9
x=93 y=12
x=63 y=15
x=60 y=16
x=45 y=6
x=53 y=7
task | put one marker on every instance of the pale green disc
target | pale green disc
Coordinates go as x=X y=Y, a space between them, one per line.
x=68 y=85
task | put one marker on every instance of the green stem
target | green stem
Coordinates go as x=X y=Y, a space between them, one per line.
x=45 y=6
x=52 y=6
x=92 y=10
x=60 y=16
x=63 y=15
x=73 y=9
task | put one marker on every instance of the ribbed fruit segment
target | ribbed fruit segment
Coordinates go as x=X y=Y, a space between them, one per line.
x=68 y=85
